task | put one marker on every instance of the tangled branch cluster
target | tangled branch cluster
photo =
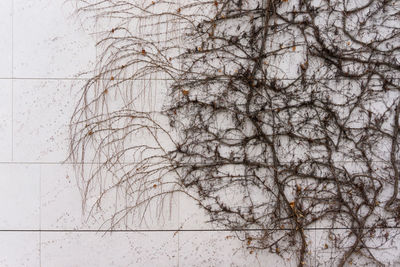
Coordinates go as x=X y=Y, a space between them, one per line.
x=280 y=115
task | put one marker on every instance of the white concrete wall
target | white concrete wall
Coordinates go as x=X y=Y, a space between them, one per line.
x=42 y=49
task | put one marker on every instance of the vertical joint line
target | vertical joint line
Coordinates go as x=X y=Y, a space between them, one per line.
x=12 y=80
x=40 y=216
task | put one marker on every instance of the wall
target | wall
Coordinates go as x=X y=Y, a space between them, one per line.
x=44 y=51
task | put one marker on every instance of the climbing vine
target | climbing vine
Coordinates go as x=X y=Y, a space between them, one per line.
x=278 y=115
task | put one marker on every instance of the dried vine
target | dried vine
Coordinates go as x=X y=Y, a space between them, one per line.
x=280 y=115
